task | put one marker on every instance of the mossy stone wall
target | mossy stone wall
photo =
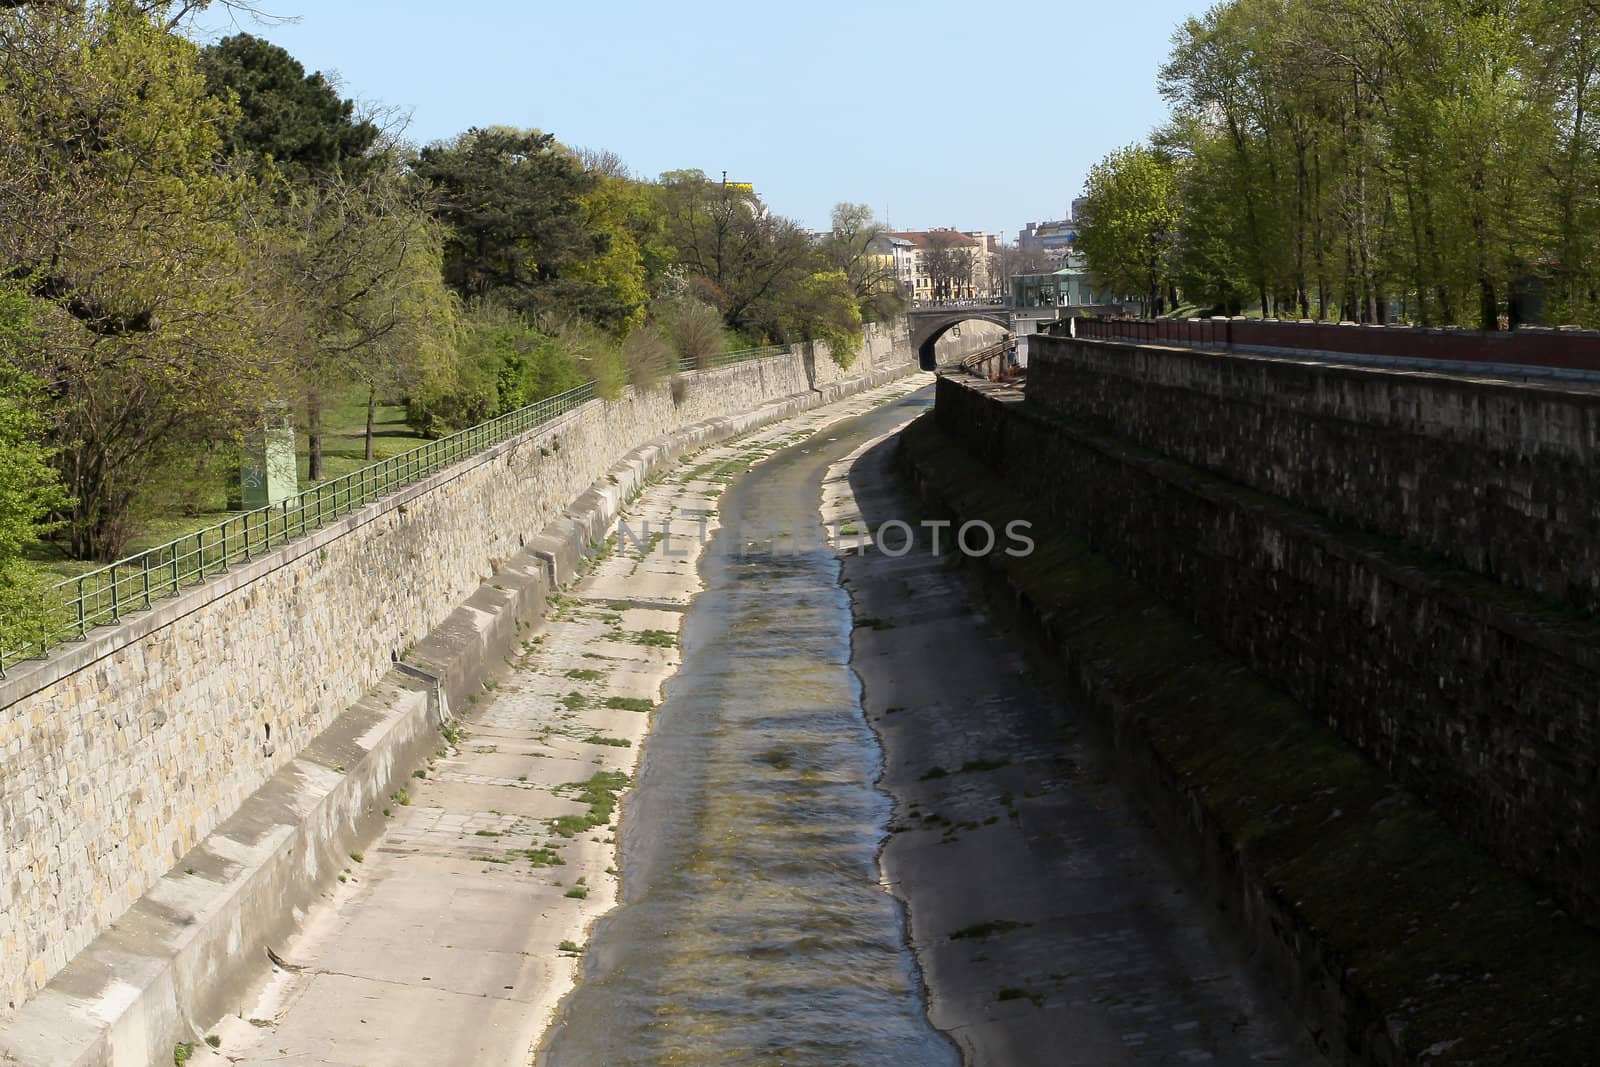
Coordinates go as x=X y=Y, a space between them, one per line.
x=1482 y=699
x=1497 y=478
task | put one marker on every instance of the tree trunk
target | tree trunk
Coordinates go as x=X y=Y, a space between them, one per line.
x=98 y=528
x=1319 y=251
x=1418 y=253
x=1302 y=298
x=314 y=436
x=372 y=411
x=1447 y=309
x=1488 y=301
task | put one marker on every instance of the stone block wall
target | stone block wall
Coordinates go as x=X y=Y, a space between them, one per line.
x=1468 y=693
x=976 y=335
x=1497 y=478
x=119 y=754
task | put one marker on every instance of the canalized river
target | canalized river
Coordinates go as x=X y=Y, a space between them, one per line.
x=753 y=928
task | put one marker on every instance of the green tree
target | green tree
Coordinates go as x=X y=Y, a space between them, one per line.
x=115 y=211
x=30 y=488
x=296 y=120
x=855 y=246
x=502 y=363
x=1132 y=210
x=518 y=235
x=627 y=216
x=357 y=265
x=1574 y=159
x=736 y=254
x=824 y=307
x=1433 y=159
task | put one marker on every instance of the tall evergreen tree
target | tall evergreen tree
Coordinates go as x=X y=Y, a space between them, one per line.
x=295 y=119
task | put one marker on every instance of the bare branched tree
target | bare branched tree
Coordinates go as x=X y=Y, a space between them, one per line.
x=949 y=261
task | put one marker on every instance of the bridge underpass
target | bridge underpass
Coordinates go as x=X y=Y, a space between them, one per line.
x=929 y=326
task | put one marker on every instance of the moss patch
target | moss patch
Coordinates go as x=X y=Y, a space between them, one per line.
x=599 y=793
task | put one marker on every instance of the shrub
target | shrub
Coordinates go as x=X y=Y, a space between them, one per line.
x=647 y=356
x=502 y=362
x=695 y=329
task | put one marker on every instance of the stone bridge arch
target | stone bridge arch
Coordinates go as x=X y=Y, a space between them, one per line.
x=927 y=325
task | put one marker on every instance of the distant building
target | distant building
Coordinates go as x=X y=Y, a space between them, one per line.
x=1055 y=238
x=1071 y=286
x=910 y=248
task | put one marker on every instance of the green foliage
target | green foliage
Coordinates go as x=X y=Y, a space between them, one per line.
x=357 y=266
x=1436 y=160
x=627 y=216
x=855 y=247
x=736 y=255
x=30 y=490
x=823 y=308
x=514 y=204
x=1132 y=215
x=131 y=234
x=600 y=794
x=502 y=363
x=295 y=120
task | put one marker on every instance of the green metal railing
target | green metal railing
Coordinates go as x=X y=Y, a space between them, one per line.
x=722 y=359
x=104 y=596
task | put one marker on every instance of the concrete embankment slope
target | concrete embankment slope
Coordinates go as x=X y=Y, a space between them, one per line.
x=1398 y=940
x=174 y=787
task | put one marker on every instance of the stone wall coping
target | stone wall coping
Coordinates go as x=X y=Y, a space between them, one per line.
x=1329 y=364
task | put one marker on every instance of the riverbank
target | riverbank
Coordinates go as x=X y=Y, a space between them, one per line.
x=454 y=936
x=1392 y=938
x=1051 y=926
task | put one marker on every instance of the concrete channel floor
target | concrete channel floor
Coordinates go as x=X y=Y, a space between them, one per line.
x=1051 y=927
x=444 y=944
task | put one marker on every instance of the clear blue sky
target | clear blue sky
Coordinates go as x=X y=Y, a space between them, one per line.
x=973 y=115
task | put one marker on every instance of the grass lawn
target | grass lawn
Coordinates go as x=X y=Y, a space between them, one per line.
x=343 y=450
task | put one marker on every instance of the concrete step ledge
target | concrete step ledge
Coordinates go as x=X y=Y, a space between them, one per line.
x=187 y=947
x=183 y=955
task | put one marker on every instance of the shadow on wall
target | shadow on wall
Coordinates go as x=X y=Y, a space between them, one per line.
x=959 y=342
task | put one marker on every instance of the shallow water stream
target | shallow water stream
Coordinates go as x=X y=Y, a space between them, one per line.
x=753 y=928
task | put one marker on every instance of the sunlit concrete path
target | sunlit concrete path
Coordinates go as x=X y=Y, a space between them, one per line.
x=454 y=937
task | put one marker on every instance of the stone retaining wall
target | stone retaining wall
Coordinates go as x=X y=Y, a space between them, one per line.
x=1497 y=478
x=1396 y=941
x=119 y=754
x=1475 y=696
